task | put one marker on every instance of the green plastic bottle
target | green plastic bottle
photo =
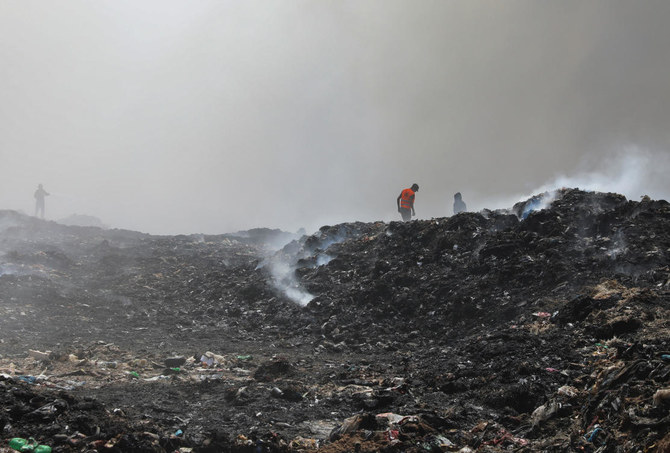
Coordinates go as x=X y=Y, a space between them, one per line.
x=25 y=445
x=17 y=443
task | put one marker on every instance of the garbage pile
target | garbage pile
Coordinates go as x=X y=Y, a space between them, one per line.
x=539 y=328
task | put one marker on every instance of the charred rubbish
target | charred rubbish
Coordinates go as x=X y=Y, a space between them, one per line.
x=539 y=328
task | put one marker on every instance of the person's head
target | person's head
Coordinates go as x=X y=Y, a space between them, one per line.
x=415 y=187
x=39 y=186
x=457 y=196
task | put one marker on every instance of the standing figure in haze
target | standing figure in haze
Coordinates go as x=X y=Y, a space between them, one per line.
x=405 y=202
x=459 y=204
x=40 y=193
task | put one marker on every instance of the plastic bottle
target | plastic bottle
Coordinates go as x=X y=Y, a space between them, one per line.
x=17 y=443
x=25 y=445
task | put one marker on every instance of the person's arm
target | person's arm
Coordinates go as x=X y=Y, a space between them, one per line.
x=411 y=200
x=398 y=201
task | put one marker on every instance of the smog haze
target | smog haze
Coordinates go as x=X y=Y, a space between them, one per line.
x=175 y=117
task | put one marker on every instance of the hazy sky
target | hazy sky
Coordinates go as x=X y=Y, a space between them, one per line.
x=170 y=116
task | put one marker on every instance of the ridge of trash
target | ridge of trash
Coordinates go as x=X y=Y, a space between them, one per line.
x=543 y=327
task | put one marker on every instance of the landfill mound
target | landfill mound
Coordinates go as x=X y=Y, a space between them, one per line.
x=544 y=327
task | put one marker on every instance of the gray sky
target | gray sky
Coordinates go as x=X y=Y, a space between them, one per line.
x=169 y=116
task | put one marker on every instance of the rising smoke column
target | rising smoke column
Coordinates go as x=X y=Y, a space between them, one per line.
x=631 y=171
x=308 y=251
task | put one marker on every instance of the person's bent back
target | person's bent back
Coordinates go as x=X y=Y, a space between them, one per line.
x=405 y=202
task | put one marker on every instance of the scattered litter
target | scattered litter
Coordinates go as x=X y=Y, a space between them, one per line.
x=543 y=334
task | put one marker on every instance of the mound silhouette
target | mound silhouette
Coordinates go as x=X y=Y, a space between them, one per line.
x=539 y=328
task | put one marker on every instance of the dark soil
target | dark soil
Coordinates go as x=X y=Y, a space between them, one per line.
x=525 y=330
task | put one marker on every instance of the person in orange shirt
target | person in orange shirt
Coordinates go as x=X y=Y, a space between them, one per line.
x=405 y=202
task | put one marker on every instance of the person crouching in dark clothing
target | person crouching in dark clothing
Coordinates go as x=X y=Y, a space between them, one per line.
x=459 y=204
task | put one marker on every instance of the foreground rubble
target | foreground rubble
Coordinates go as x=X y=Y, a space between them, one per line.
x=528 y=330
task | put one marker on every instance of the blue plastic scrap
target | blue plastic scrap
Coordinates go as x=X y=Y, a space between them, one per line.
x=593 y=435
x=28 y=379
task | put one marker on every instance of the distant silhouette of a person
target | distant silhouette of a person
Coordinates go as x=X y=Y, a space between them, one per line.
x=459 y=204
x=40 y=193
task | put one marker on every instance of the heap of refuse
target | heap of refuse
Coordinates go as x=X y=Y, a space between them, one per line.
x=539 y=328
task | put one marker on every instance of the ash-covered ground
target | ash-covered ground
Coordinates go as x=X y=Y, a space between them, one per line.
x=541 y=328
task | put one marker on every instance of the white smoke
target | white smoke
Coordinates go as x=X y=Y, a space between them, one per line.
x=283 y=278
x=282 y=265
x=538 y=203
x=618 y=245
x=631 y=171
x=323 y=259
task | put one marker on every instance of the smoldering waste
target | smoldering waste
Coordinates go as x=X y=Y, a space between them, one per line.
x=539 y=329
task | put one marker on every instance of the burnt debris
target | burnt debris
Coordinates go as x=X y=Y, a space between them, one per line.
x=539 y=328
